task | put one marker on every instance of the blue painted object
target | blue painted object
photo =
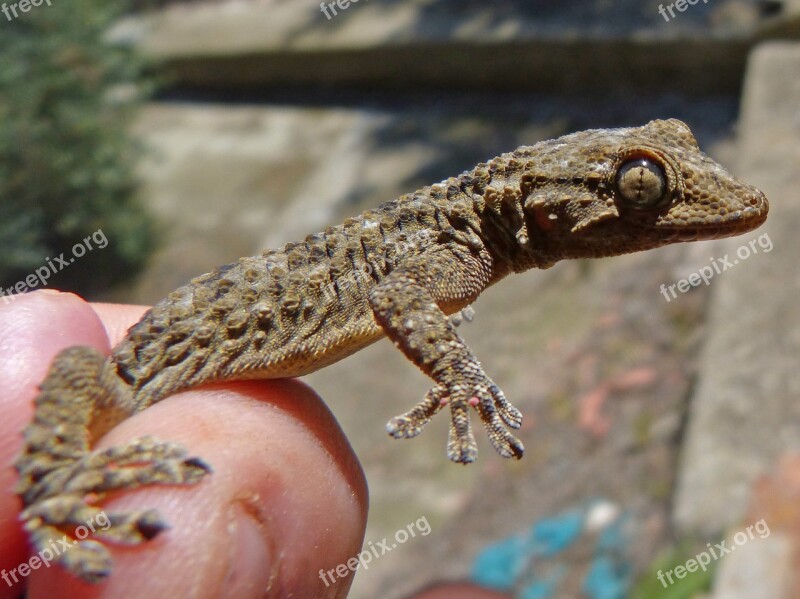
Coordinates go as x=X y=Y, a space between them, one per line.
x=554 y=535
x=500 y=565
x=528 y=564
x=606 y=580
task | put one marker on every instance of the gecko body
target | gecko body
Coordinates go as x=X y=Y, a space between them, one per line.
x=398 y=270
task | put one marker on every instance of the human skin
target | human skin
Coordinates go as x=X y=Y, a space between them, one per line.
x=287 y=496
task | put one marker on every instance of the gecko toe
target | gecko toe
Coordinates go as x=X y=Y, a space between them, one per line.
x=461 y=445
x=509 y=414
x=88 y=560
x=411 y=423
x=462 y=449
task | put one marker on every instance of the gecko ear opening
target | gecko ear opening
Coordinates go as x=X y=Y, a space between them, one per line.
x=590 y=214
x=578 y=212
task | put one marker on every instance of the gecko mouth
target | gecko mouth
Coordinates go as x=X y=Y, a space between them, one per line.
x=728 y=225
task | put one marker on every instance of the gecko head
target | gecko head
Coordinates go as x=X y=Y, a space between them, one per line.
x=645 y=187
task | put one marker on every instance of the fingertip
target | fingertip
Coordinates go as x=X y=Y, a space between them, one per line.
x=34 y=327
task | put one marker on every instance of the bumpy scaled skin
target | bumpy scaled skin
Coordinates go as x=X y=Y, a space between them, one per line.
x=398 y=270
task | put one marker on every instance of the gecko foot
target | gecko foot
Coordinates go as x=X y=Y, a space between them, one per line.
x=494 y=410
x=65 y=530
x=59 y=513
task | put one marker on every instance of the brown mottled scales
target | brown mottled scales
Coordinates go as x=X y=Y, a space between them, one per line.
x=398 y=270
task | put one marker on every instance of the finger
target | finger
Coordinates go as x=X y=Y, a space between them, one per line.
x=279 y=467
x=33 y=328
x=286 y=500
x=118 y=318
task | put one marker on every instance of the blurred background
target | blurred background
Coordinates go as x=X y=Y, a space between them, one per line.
x=165 y=138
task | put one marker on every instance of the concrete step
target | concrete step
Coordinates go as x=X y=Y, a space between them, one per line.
x=745 y=414
x=428 y=44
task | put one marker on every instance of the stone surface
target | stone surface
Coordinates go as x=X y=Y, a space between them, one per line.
x=769 y=564
x=760 y=568
x=745 y=412
x=224 y=181
x=239 y=46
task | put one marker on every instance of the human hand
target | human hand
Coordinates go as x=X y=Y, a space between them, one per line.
x=286 y=497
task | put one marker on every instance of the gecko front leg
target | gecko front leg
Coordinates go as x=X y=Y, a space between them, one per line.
x=410 y=305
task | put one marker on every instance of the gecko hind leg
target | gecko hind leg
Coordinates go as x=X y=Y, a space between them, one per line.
x=61 y=476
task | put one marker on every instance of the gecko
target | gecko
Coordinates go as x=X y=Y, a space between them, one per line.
x=402 y=270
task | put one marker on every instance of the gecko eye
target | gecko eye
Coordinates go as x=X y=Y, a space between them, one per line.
x=642 y=184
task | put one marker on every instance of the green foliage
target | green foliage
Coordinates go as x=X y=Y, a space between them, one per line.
x=66 y=161
x=691 y=586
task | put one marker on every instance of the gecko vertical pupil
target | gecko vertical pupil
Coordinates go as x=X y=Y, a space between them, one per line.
x=642 y=184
